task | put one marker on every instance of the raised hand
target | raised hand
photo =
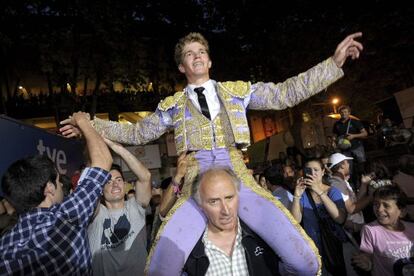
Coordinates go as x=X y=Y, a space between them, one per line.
x=181 y=167
x=300 y=187
x=70 y=128
x=349 y=47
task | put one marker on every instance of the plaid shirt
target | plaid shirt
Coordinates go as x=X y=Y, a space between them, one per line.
x=220 y=263
x=53 y=241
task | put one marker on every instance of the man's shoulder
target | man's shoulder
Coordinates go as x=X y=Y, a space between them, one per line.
x=134 y=206
x=338 y=183
x=239 y=89
x=170 y=101
x=335 y=180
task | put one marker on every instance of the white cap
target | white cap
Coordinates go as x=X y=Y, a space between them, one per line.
x=337 y=158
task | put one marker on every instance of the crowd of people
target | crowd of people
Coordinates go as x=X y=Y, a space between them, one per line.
x=212 y=218
x=350 y=211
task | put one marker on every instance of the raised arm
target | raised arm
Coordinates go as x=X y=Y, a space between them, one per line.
x=99 y=153
x=143 y=184
x=142 y=132
x=299 y=88
x=81 y=203
x=296 y=208
x=169 y=197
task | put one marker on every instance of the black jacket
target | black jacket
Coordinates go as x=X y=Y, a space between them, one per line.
x=261 y=260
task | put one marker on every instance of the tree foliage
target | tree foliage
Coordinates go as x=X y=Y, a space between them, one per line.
x=107 y=41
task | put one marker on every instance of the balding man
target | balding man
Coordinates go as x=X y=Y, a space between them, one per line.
x=227 y=246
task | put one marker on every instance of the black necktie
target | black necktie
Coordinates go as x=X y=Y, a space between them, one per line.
x=202 y=101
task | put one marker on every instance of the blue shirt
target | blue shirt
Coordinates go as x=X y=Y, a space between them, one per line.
x=53 y=241
x=310 y=221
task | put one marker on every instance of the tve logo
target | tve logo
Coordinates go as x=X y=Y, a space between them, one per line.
x=57 y=156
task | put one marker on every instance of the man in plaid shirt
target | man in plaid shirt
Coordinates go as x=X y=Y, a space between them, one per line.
x=50 y=237
x=228 y=246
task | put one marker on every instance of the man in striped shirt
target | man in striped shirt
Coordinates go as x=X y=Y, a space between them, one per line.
x=50 y=237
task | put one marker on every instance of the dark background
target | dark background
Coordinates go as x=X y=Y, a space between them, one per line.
x=100 y=42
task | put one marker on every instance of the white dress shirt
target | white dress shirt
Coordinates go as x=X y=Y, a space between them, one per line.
x=212 y=99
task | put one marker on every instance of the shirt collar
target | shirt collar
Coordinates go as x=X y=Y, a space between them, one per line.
x=209 y=87
x=210 y=245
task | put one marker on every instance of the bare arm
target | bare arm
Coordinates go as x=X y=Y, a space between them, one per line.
x=80 y=204
x=143 y=184
x=169 y=197
x=296 y=208
x=99 y=153
x=337 y=214
x=362 y=134
x=358 y=206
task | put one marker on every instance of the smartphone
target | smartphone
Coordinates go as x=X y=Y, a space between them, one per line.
x=307 y=172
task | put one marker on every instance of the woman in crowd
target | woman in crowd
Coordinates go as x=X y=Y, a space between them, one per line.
x=328 y=202
x=386 y=243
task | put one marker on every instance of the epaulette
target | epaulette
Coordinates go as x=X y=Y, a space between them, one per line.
x=170 y=101
x=239 y=89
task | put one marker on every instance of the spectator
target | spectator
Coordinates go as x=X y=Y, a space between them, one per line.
x=50 y=237
x=275 y=183
x=329 y=204
x=340 y=167
x=117 y=235
x=387 y=242
x=227 y=246
x=288 y=171
x=349 y=133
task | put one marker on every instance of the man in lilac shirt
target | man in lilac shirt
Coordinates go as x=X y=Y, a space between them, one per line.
x=50 y=237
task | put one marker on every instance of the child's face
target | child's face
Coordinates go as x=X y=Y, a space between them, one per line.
x=387 y=212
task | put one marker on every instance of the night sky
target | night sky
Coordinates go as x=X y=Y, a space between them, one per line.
x=249 y=40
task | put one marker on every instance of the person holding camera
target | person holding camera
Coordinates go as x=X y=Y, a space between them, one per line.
x=310 y=191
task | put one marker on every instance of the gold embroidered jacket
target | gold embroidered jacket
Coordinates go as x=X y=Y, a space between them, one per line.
x=195 y=132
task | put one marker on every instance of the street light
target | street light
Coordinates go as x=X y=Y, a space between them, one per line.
x=335 y=101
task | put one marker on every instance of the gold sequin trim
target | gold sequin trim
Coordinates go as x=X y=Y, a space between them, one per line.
x=239 y=89
x=170 y=101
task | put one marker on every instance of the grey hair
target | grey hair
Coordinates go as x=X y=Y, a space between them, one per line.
x=195 y=189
